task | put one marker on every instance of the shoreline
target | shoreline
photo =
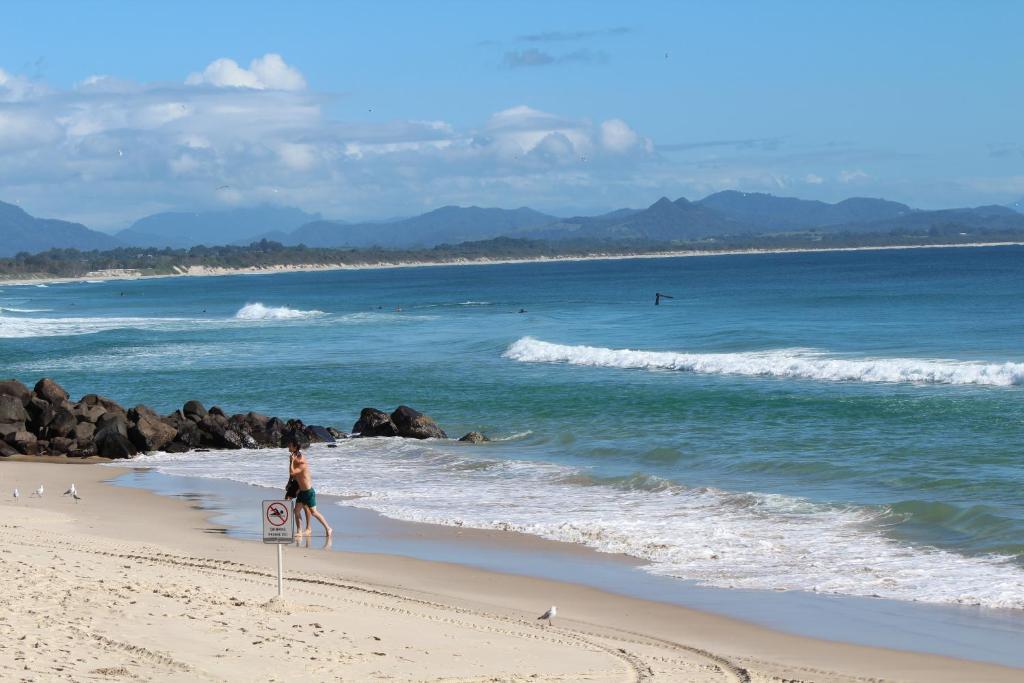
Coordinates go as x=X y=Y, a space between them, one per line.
x=204 y=271
x=193 y=566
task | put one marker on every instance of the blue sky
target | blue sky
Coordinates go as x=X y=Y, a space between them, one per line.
x=112 y=110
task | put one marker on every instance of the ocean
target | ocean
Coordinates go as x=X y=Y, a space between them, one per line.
x=847 y=423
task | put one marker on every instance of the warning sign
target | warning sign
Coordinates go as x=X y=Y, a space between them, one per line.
x=277 y=515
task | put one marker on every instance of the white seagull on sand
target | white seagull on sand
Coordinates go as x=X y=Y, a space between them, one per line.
x=549 y=615
x=17 y=495
x=71 y=491
x=39 y=491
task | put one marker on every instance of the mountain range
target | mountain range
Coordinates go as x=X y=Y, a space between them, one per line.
x=727 y=213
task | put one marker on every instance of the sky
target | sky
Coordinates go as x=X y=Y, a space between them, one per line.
x=110 y=111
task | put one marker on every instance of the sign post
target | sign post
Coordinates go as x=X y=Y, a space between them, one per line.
x=277 y=529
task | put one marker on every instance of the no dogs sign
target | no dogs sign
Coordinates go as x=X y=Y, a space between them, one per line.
x=277 y=517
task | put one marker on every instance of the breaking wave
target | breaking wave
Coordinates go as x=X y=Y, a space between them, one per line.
x=259 y=311
x=782 y=363
x=712 y=536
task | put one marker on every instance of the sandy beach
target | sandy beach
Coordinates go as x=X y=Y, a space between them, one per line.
x=212 y=271
x=129 y=585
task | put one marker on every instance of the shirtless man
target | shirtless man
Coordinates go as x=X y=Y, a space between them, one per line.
x=299 y=470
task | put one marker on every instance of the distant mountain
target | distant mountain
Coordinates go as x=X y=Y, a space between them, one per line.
x=770 y=213
x=21 y=232
x=449 y=224
x=993 y=218
x=186 y=229
x=1017 y=206
x=663 y=221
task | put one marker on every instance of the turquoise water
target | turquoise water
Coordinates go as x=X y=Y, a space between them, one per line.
x=837 y=422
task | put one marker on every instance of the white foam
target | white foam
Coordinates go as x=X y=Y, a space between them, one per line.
x=713 y=537
x=11 y=309
x=258 y=311
x=19 y=328
x=783 y=363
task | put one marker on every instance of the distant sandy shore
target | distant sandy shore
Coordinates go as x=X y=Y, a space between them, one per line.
x=129 y=585
x=205 y=271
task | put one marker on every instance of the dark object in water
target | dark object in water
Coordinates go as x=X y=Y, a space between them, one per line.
x=658 y=296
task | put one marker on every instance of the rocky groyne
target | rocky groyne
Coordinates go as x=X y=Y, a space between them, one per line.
x=44 y=421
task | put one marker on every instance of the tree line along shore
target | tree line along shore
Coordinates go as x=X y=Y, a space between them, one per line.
x=265 y=254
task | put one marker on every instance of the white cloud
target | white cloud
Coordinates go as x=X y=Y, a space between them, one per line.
x=856 y=176
x=269 y=72
x=617 y=136
x=107 y=151
x=813 y=179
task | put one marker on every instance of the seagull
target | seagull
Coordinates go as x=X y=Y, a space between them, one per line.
x=549 y=615
x=71 y=491
x=658 y=296
x=74 y=494
x=16 y=495
x=120 y=152
x=38 y=492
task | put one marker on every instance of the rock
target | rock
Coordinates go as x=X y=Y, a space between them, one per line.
x=42 y=447
x=115 y=421
x=65 y=424
x=25 y=442
x=474 y=437
x=413 y=424
x=83 y=451
x=317 y=434
x=273 y=433
x=112 y=444
x=217 y=410
x=60 y=445
x=83 y=432
x=8 y=428
x=50 y=391
x=85 y=412
x=6 y=450
x=12 y=387
x=176 y=447
x=40 y=413
x=373 y=422
x=188 y=435
x=108 y=404
x=149 y=433
x=12 y=409
x=194 y=411
x=335 y=433
x=295 y=431
x=142 y=411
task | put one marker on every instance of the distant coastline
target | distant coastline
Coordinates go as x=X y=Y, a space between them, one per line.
x=215 y=271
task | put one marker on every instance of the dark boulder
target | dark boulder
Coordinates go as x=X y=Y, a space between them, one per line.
x=149 y=433
x=83 y=451
x=8 y=428
x=176 y=447
x=7 y=450
x=189 y=435
x=474 y=437
x=85 y=412
x=115 y=421
x=373 y=422
x=217 y=410
x=50 y=391
x=108 y=404
x=12 y=387
x=111 y=443
x=413 y=424
x=335 y=433
x=142 y=411
x=194 y=411
x=215 y=433
x=294 y=431
x=40 y=413
x=82 y=432
x=317 y=434
x=60 y=445
x=64 y=423
x=12 y=409
x=25 y=442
